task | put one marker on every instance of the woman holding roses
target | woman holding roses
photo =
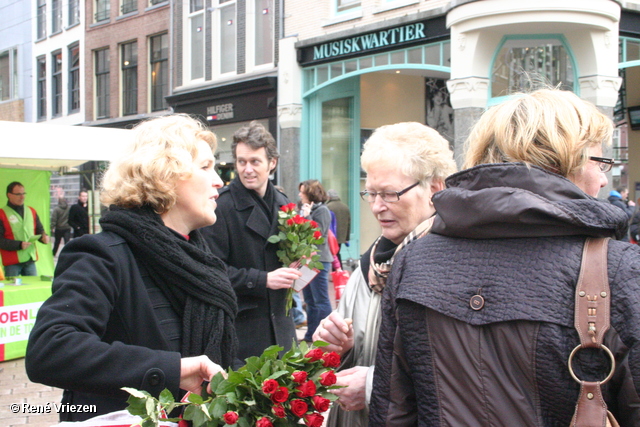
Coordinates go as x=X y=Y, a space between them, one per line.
x=316 y=294
x=406 y=163
x=143 y=304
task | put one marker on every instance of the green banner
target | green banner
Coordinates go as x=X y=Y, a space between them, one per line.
x=36 y=185
x=19 y=306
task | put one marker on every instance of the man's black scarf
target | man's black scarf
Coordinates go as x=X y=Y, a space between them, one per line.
x=192 y=279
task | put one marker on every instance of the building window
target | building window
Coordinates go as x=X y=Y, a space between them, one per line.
x=8 y=74
x=128 y=6
x=264 y=32
x=155 y=2
x=103 y=9
x=522 y=64
x=56 y=16
x=159 y=71
x=74 y=12
x=74 y=78
x=344 y=5
x=102 y=83
x=227 y=26
x=42 y=87
x=129 y=69
x=42 y=19
x=56 y=83
x=196 y=39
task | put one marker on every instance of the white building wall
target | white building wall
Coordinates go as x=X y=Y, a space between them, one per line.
x=307 y=19
x=15 y=32
x=60 y=41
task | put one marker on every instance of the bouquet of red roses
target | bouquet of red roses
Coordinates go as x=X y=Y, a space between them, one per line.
x=298 y=239
x=266 y=392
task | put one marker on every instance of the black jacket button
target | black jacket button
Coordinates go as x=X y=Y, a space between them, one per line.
x=154 y=379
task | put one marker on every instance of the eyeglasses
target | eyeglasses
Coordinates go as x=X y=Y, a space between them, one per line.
x=386 y=196
x=19 y=194
x=604 y=163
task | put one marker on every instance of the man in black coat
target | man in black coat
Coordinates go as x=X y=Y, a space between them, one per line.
x=247 y=215
x=79 y=216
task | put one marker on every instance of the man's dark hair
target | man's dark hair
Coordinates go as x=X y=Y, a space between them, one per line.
x=621 y=189
x=256 y=136
x=13 y=185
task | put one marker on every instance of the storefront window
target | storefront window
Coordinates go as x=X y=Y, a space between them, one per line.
x=336 y=137
x=523 y=64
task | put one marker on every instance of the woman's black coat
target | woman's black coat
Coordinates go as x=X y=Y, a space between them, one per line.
x=102 y=328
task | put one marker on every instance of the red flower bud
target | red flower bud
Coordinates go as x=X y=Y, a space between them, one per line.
x=269 y=386
x=280 y=395
x=320 y=403
x=307 y=389
x=315 y=354
x=314 y=420
x=299 y=376
x=317 y=234
x=314 y=224
x=328 y=378
x=230 y=417
x=290 y=222
x=278 y=411
x=299 y=220
x=331 y=360
x=288 y=207
x=298 y=407
x=265 y=422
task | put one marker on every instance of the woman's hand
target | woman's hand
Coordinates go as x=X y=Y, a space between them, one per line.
x=352 y=397
x=195 y=370
x=336 y=331
x=305 y=210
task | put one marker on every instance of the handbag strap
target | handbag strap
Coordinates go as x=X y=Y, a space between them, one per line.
x=592 y=320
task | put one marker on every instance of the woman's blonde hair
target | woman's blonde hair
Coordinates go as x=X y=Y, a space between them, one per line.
x=417 y=151
x=162 y=152
x=549 y=128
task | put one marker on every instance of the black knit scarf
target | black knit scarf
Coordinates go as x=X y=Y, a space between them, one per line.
x=192 y=279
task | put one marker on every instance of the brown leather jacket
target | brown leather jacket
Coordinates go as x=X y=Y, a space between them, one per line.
x=477 y=320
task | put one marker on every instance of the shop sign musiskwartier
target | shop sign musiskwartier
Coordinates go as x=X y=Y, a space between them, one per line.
x=367 y=43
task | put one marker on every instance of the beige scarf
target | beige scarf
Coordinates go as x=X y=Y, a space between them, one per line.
x=378 y=273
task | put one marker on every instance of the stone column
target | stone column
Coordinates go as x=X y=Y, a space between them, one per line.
x=289 y=116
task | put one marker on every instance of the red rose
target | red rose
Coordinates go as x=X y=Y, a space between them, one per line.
x=280 y=395
x=299 y=220
x=315 y=354
x=264 y=422
x=278 y=411
x=290 y=222
x=320 y=403
x=307 y=389
x=230 y=417
x=269 y=386
x=331 y=360
x=314 y=420
x=299 y=376
x=288 y=207
x=298 y=407
x=328 y=378
x=314 y=224
x=317 y=235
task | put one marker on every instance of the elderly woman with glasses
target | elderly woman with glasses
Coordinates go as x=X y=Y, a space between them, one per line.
x=478 y=316
x=406 y=163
